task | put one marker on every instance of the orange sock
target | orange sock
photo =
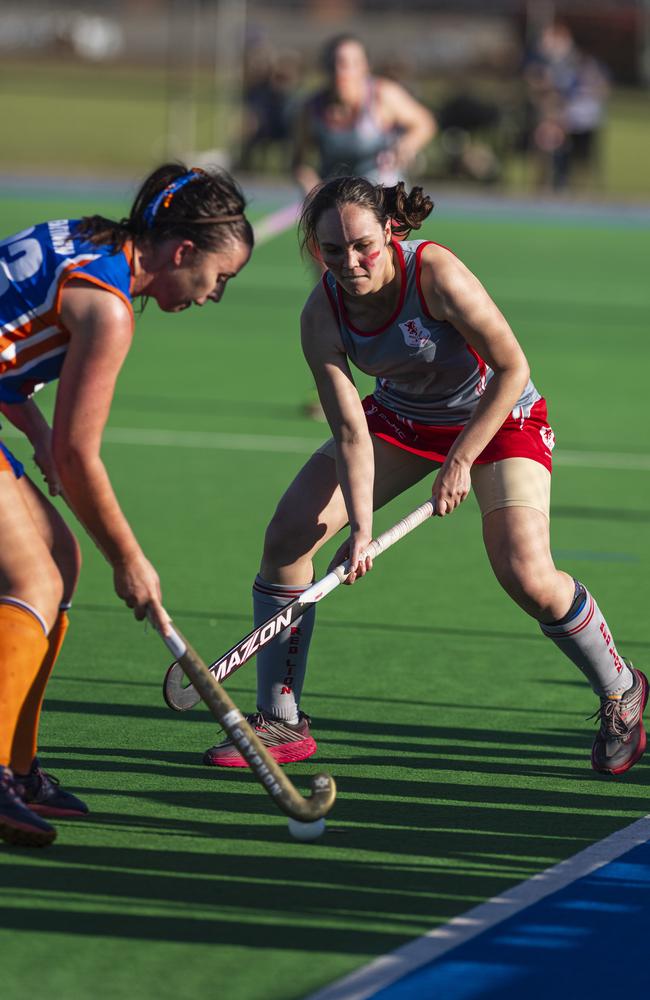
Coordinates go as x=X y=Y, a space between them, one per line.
x=23 y=645
x=25 y=740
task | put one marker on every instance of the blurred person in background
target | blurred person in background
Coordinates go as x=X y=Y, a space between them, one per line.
x=270 y=95
x=567 y=90
x=66 y=313
x=357 y=123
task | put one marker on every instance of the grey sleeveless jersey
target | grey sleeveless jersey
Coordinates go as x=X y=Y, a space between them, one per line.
x=354 y=149
x=425 y=370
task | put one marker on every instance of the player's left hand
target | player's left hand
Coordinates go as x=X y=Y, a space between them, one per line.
x=352 y=551
x=44 y=460
x=451 y=486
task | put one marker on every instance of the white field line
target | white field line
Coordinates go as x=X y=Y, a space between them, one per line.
x=217 y=441
x=277 y=222
x=365 y=982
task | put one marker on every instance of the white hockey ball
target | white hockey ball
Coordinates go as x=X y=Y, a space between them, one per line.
x=306 y=831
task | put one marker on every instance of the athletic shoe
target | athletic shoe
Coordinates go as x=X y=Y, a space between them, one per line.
x=43 y=794
x=286 y=742
x=621 y=739
x=18 y=824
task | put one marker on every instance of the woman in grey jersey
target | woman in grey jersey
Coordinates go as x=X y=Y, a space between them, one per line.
x=453 y=393
x=358 y=123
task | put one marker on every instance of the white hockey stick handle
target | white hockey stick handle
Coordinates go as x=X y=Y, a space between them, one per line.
x=378 y=545
x=181 y=697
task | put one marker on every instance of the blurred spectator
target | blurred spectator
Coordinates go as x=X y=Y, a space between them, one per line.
x=358 y=123
x=270 y=83
x=471 y=137
x=567 y=90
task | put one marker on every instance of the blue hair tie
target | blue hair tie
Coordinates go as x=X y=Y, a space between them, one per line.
x=166 y=195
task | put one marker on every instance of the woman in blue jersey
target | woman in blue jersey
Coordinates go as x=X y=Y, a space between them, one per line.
x=66 y=312
x=453 y=392
x=358 y=123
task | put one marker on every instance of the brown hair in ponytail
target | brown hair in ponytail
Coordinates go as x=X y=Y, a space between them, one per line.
x=405 y=211
x=174 y=201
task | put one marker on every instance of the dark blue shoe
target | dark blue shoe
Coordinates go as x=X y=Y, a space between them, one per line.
x=18 y=824
x=44 y=795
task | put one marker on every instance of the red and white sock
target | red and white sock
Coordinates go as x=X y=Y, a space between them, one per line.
x=281 y=666
x=584 y=636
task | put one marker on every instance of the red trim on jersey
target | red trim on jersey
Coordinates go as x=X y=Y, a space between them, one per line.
x=418 y=279
x=418 y=266
x=516 y=438
x=482 y=367
x=402 y=296
x=330 y=296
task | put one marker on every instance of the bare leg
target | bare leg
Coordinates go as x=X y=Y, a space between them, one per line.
x=60 y=541
x=517 y=541
x=312 y=510
x=28 y=571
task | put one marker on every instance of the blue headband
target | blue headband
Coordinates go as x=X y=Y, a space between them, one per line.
x=166 y=195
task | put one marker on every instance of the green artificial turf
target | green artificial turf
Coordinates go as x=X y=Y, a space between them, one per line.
x=456 y=733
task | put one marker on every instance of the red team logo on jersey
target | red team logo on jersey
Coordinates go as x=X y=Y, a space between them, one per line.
x=414 y=333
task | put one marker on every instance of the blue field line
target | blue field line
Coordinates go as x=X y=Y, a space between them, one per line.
x=579 y=929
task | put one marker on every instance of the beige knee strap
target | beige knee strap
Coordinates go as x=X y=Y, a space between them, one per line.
x=513 y=482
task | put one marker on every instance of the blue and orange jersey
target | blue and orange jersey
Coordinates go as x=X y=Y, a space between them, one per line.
x=35 y=264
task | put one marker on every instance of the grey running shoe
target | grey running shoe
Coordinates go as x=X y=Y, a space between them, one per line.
x=18 y=824
x=286 y=742
x=621 y=740
x=43 y=794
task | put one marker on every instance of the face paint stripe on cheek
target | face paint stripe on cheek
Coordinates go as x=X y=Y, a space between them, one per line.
x=370 y=259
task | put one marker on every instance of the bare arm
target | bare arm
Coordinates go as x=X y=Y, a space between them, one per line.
x=454 y=294
x=401 y=110
x=338 y=394
x=101 y=332
x=306 y=176
x=28 y=418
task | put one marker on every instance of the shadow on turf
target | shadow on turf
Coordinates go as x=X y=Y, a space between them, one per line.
x=601 y=514
x=119 y=892
x=402 y=852
x=392 y=628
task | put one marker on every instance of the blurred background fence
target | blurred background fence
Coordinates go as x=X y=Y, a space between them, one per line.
x=110 y=87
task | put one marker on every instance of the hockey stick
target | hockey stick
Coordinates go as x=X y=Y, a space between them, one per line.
x=181 y=698
x=267 y=771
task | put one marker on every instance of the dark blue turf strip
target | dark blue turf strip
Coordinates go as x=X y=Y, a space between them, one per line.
x=590 y=939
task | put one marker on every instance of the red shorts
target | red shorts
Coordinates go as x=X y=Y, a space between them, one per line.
x=524 y=437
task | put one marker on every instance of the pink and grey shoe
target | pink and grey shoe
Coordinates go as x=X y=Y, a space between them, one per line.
x=286 y=742
x=43 y=794
x=621 y=739
x=19 y=825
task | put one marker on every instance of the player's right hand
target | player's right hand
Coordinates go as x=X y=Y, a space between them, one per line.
x=138 y=584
